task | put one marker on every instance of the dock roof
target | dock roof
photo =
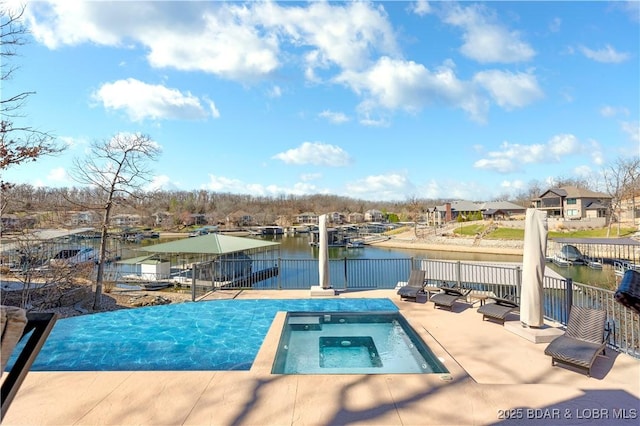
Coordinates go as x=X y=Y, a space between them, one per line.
x=210 y=244
x=607 y=241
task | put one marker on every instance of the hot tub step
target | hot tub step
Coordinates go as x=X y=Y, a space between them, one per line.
x=305 y=323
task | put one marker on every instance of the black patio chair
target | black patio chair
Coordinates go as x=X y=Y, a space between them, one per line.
x=448 y=296
x=585 y=338
x=498 y=310
x=414 y=286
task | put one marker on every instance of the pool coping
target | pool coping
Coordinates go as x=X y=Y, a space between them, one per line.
x=509 y=375
x=263 y=362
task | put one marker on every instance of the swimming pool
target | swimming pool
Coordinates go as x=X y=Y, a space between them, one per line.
x=212 y=335
x=352 y=343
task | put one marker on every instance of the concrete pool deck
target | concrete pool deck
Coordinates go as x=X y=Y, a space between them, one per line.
x=496 y=377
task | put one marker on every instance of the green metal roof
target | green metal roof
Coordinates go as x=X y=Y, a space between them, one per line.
x=209 y=244
x=134 y=260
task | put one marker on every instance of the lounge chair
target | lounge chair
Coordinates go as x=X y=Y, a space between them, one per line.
x=414 y=286
x=448 y=296
x=499 y=310
x=584 y=339
x=15 y=325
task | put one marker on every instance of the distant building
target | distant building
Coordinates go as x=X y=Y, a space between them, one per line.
x=124 y=220
x=83 y=218
x=373 y=216
x=573 y=203
x=336 y=217
x=307 y=218
x=355 y=217
x=501 y=210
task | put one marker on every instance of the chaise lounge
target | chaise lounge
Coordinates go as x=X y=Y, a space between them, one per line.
x=499 y=310
x=448 y=296
x=584 y=339
x=414 y=286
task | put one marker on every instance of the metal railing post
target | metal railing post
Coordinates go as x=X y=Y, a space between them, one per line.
x=458 y=273
x=518 y=283
x=346 y=274
x=193 y=282
x=568 y=299
x=278 y=279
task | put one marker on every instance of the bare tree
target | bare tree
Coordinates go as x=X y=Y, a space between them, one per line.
x=621 y=181
x=117 y=168
x=17 y=143
x=42 y=282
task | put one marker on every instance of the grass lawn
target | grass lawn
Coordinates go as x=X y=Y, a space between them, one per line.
x=518 y=234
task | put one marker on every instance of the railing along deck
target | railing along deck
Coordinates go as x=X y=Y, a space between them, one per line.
x=499 y=279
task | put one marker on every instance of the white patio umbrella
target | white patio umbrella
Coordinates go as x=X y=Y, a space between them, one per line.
x=533 y=263
x=323 y=254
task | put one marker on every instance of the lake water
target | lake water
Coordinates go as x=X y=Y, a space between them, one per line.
x=297 y=247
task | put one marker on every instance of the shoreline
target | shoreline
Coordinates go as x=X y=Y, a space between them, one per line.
x=450 y=247
x=455 y=245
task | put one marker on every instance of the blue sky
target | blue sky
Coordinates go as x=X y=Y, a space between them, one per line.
x=371 y=100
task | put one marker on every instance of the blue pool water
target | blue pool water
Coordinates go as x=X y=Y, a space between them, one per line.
x=213 y=335
x=352 y=343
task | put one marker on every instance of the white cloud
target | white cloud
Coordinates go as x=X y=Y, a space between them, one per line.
x=388 y=187
x=611 y=111
x=162 y=182
x=399 y=84
x=224 y=184
x=59 y=174
x=607 y=54
x=334 y=117
x=583 y=171
x=310 y=176
x=510 y=90
x=59 y=22
x=485 y=40
x=236 y=41
x=596 y=153
x=512 y=186
x=316 y=153
x=342 y=35
x=510 y=157
x=632 y=129
x=73 y=142
x=275 y=92
x=421 y=7
x=222 y=46
x=141 y=101
x=555 y=25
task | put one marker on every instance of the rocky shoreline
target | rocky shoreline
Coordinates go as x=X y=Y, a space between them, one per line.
x=408 y=240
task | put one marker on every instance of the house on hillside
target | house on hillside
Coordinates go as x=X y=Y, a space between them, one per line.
x=162 y=218
x=83 y=218
x=239 y=218
x=573 y=203
x=307 y=218
x=10 y=222
x=629 y=207
x=373 y=216
x=355 y=217
x=466 y=210
x=501 y=210
x=451 y=211
x=125 y=220
x=336 y=217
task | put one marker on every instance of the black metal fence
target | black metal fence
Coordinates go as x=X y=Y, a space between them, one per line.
x=360 y=274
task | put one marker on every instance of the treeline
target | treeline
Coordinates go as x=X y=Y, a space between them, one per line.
x=216 y=206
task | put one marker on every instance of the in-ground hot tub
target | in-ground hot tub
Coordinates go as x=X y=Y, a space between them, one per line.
x=352 y=343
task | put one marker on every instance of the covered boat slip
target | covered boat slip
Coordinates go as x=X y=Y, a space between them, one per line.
x=605 y=250
x=206 y=262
